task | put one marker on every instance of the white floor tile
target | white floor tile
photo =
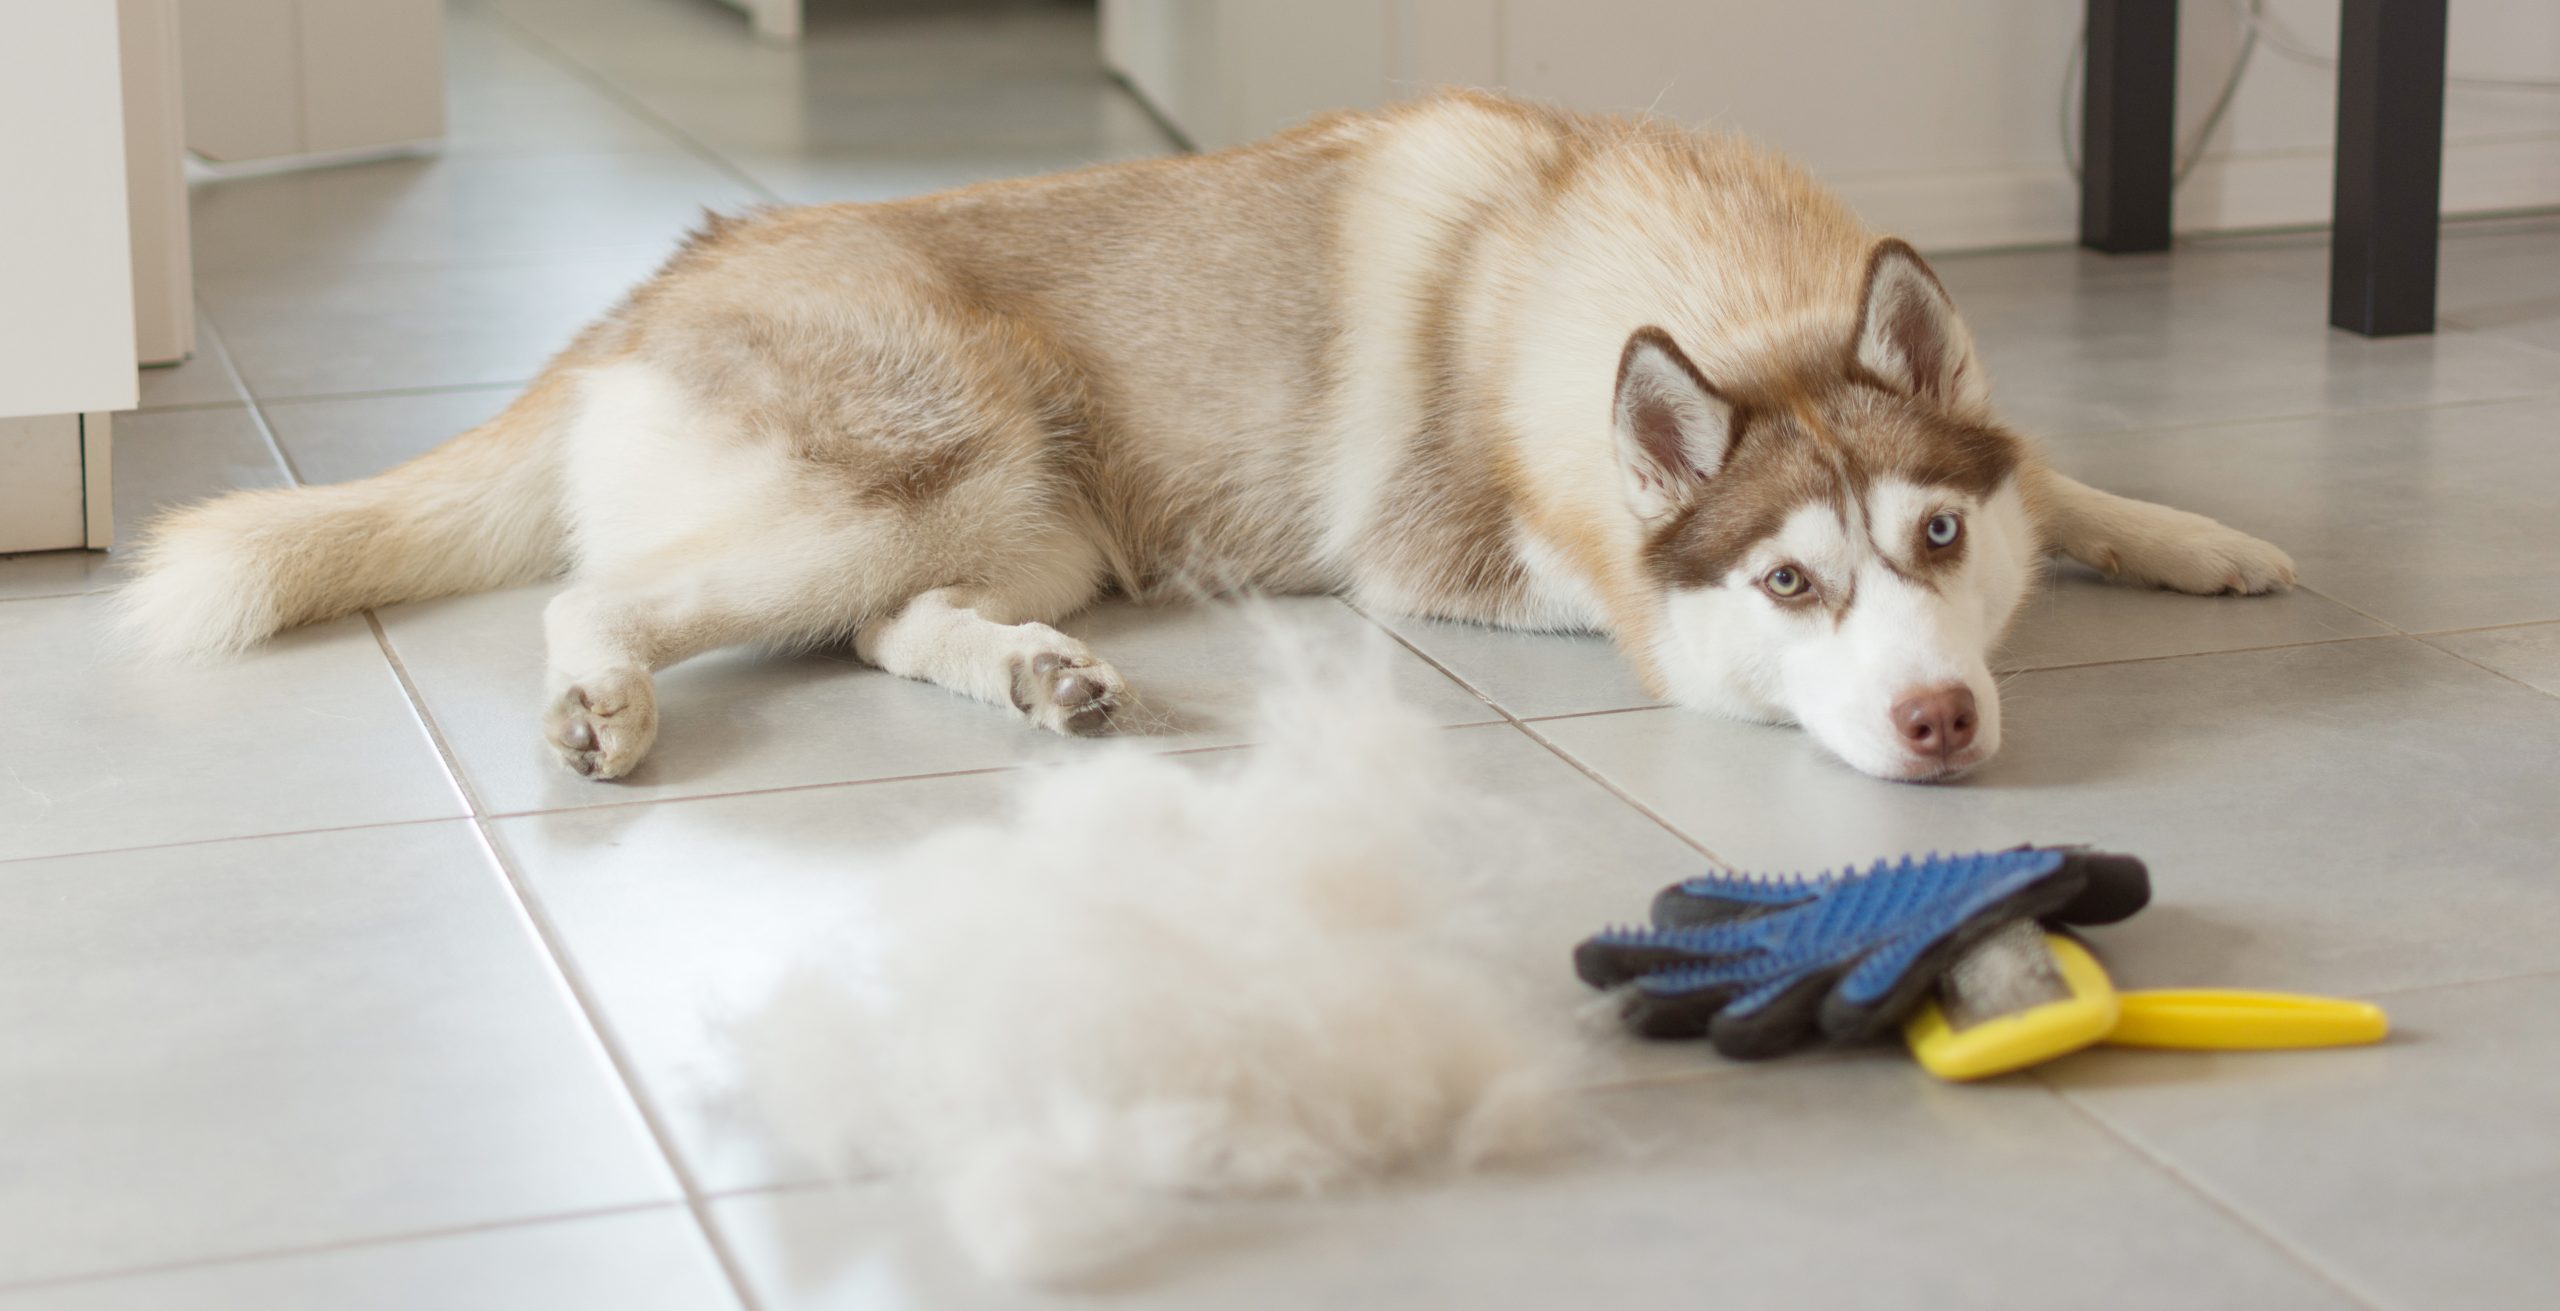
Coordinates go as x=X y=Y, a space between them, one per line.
x=314 y=332
x=2530 y=654
x=739 y=721
x=2322 y=818
x=2424 y=1171
x=340 y=439
x=439 y=211
x=236 y=1047
x=681 y=916
x=653 y=1260
x=104 y=750
x=2079 y=342
x=2429 y=519
x=1854 y=1183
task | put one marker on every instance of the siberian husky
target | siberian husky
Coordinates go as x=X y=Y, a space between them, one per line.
x=1466 y=358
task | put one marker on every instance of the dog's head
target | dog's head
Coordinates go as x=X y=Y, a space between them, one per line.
x=1839 y=547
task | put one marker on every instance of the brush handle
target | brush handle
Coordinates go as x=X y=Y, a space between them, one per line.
x=2232 y=1019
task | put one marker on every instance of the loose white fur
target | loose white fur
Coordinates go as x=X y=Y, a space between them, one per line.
x=1158 y=980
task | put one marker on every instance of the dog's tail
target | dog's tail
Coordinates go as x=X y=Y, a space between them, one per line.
x=481 y=511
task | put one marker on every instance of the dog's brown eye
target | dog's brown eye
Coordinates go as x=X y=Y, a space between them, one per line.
x=1944 y=527
x=1784 y=582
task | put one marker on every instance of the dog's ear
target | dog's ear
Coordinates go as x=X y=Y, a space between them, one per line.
x=1909 y=335
x=1674 y=430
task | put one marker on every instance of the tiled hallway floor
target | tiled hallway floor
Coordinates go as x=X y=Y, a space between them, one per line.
x=320 y=987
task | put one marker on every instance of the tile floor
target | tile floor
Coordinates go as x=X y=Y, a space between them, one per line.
x=318 y=988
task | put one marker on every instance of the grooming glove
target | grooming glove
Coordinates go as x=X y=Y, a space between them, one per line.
x=1764 y=965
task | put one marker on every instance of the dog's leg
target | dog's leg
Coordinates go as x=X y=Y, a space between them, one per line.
x=607 y=639
x=2153 y=545
x=981 y=644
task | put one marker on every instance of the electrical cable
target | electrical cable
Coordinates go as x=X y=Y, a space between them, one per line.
x=2255 y=27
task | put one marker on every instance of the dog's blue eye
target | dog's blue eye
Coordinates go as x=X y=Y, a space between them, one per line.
x=1943 y=529
x=1784 y=581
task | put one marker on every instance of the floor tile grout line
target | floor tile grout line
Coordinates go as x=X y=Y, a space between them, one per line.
x=189 y=407
x=6 y=861
x=570 y=978
x=546 y=48
x=2553 y=622
x=1594 y=714
x=545 y=933
x=2020 y=670
x=394 y=1238
x=2197 y=1187
x=393 y=393
x=2242 y=421
x=480 y=261
x=652 y=1120
x=2486 y=669
x=821 y=785
x=1541 y=739
x=59 y=596
x=221 y=353
x=2448 y=985
x=2421 y=639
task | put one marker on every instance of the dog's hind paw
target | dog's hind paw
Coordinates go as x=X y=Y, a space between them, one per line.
x=1068 y=692
x=602 y=726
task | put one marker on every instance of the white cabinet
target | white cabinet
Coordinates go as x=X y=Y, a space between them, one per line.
x=279 y=79
x=47 y=499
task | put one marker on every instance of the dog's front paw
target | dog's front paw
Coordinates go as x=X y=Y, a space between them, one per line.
x=2198 y=556
x=602 y=725
x=1068 y=692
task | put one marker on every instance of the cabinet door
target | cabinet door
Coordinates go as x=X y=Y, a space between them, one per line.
x=43 y=506
x=66 y=262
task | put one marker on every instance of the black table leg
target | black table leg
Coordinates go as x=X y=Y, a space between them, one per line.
x=2382 y=250
x=2128 y=125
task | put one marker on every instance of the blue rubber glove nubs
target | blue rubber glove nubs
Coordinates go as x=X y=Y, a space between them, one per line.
x=1762 y=966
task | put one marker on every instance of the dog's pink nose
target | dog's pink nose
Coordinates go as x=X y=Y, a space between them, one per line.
x=1936 y=721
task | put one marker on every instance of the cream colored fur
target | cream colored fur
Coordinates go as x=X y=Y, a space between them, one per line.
x=1374 y=355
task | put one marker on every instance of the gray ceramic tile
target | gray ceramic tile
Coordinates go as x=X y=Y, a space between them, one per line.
x=2081 y=342
x=1850 y=1183
x=2329 y=818
x=2504 y=283
x=203 y=378
x=655 y=48
x=1087 y=112
x=2528 y=655
x=653 y=1260
x=736 y=721
x=2428 y=519
x=240 y=1046
x=456 y=209
x=108 y=751
x=311 y=731
x=809 y=176
x=345 y=438
x=322 y=332
x=483 y=49
x=1529 y=674
x=2075 y=617
x=161 y=459
x=527 y=115
x=679 y=916
x=2425 y=1171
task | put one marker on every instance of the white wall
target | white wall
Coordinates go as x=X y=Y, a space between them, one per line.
x=1938 y=121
